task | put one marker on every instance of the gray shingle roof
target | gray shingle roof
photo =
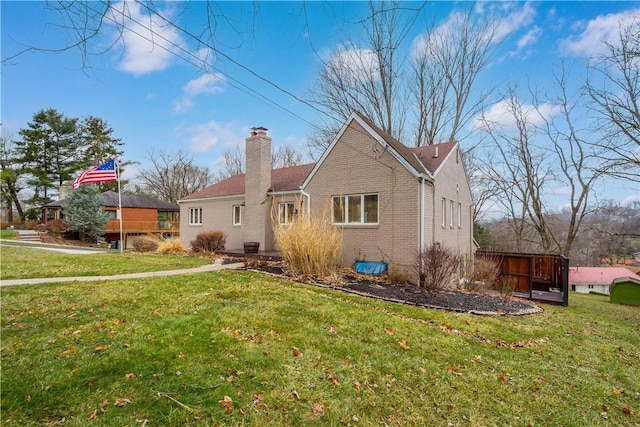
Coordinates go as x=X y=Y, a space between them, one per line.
x=110 y=199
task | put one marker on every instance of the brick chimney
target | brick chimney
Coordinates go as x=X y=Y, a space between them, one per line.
x=256 y=224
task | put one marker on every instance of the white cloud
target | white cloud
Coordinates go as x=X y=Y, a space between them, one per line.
x=208 y=136
x=353 y=64
x=206 y=84
x=514 y=18
x=531 y=37
x=630 y=199
x=596 y=32
x=149 y=42
x=501 y=115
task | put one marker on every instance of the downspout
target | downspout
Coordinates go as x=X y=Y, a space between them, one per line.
x=308 y=196
x=421 y=214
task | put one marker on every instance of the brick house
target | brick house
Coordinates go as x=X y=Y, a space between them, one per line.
x=140 y=215
x=389 y=200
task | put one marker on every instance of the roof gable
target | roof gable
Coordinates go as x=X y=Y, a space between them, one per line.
x=401 y=152
x=434 y=156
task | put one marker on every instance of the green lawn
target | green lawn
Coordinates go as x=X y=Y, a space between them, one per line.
x=241 y=348
x=9 y=234
x=26 y=263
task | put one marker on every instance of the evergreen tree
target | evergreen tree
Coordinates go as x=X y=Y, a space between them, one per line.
x=99 y=147
x=85 y=214
x=49 y=152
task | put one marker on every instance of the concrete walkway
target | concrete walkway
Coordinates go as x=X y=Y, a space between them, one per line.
x=202 y=269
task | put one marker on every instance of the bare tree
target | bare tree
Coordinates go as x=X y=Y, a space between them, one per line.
x=614 y=88
x=367 y=78
x=173 y=176
x=11 y=182
x=233 y=161
x=544 y=148
x=447 y=63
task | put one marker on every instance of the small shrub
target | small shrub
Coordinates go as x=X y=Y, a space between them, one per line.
x=209 y=242
x=174 y=246
x=310 y=245
x=506 y=286
x=148 y=243
x=480 y=273
x=55 y=226
x=436 y=267
x=31 y=224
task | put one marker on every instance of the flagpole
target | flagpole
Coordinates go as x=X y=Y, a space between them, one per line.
x=119 y=204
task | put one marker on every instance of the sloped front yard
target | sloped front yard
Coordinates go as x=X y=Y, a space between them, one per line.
x=243 y=348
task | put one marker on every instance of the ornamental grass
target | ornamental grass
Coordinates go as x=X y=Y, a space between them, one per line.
x=310 y=245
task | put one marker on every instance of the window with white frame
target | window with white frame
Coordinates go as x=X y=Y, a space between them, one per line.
x=286 y=211
x=444 y=212
x=195 y=216
x=451 y=213
x=459 y=215
x=237 y=215
x=355 y=209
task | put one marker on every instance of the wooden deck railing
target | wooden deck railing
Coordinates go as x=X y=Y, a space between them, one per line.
x=143 y=226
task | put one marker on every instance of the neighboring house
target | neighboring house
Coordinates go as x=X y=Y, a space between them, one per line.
x=140 y=215
x=625 y=290
x=595 y=279
x=388 y=199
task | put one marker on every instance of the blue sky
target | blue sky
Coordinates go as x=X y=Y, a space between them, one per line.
x=268 y=55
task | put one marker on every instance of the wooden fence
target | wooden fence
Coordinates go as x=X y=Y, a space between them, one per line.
x=535 y=276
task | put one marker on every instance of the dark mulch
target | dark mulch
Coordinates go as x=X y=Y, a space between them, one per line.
x=451 y=299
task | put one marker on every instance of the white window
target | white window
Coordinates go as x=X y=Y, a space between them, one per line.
x=237 y=215
x=355 y=209
x=459 y=215
x=451 y=213
x=195 y=216
x=444 y=212
x=285 y=213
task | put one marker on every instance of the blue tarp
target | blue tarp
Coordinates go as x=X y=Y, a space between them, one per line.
x=371 y=267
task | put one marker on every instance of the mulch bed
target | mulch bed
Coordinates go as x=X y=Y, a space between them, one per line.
x=406 y=293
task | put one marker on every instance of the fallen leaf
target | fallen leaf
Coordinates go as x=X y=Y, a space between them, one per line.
x=357 y=385
x=130 y=376
x=333 y=379
x=295 y=394
x=618 y=391
x=227 y=404
x=296 y=352
x=389 y=331
x=502 y=378
x=453 y=370
x=121 y=402
x=404 y=344
x=100 y=348
x=94 y=415
x=70 y=351
x=317 y=409
x=626 y=409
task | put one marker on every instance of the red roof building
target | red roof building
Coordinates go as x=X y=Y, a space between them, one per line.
x=595 y=279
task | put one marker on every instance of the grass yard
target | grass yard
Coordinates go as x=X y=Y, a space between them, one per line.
x=242 y=348
x=26 y=263
x=9 y=234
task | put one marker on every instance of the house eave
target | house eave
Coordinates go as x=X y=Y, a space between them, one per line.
x=208 y=199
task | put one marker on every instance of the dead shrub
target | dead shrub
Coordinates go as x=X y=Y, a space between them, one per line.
x=31 y=224
x=146 y=243
x=55 y=226
x=480 y=273
x=436 y=266
x=399 y=277
x=172 y=246
x=310 y=245
x=209 y=242
x=506 y=286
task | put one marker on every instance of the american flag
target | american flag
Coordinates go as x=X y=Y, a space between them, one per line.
x=105 y=172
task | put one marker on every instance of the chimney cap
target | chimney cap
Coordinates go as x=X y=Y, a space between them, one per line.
x=258 y=131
